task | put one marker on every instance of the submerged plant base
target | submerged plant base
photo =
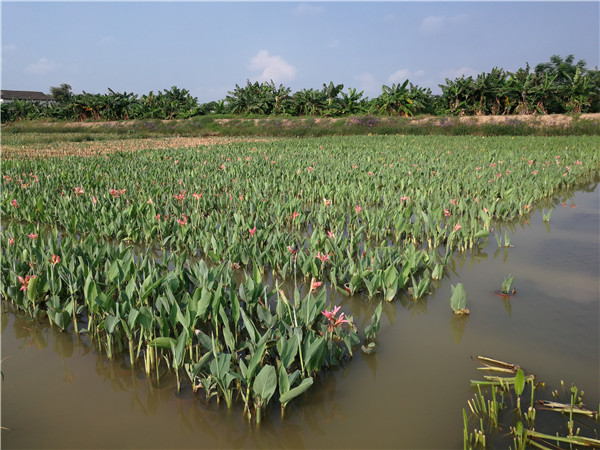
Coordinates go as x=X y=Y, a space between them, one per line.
x=510 y=389
x=504 y=294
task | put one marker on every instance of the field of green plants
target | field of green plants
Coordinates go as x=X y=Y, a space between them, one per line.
x=221 y=262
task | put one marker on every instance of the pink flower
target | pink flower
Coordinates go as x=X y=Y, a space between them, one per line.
x=183 y=222
x=197 y=196
x=453 y=201
x=447 y=213
x=11 y=241
x=149 y=201
x=14 y=203
x=578 y=163
x=94 y=200
x=310 y=169
x=331 y=235
x=252 y=231
x=25 y=282
x=334 y=322
x=157 y=217
x=55 y=260
x=326 y=202
x=457 y=227
x=78 y=190
x=357 y=209
x=323 y=257
x=32 y=236
x=292 y=251
x=404 y=198
x=314 y=285
x=295 y=214
x=535 y=172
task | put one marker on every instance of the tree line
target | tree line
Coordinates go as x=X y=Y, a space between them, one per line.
x=558 y=86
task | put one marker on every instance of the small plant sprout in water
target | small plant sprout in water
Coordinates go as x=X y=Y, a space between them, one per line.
x=507 y=286
x=458 y=301
x=371 y=331
x=506 y=239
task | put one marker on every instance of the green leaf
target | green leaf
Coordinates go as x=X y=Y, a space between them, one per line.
x=519 y=382
x=162 y=342
x=295 y=392
x=265 y=384
x=459 y=297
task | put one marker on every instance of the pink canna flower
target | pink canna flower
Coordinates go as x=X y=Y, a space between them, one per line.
x=55 y=260
x=323 y=257
x=94 y=201
x=457 y=227
x=197 y=196
x=326 y=202
x=183 y=221
x=314 y=285
x=447 y=213
x=78 y=190
x=295 y=214
x=149 y=201
x=334 y=321
x=25 y=282
x=252 y=231
x=357 y=209
x=14 y=203
x=331 y=235
x=32 y=236
x=11 y=241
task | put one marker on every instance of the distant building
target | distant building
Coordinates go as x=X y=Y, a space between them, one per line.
x=31 y=96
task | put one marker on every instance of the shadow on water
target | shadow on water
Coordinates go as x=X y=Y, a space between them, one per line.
x=59 y=391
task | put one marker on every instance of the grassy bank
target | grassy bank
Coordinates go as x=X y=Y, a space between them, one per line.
x=38 y=132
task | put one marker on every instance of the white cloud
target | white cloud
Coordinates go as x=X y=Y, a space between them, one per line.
x=9 y=48
x=43 y=65
x=439 y=24
x=400 y=76
x=368 y=84
x=306 y=9
x=457 y=73
x=272 y=67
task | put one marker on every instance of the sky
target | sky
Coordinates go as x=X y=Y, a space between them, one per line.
x=209 y=47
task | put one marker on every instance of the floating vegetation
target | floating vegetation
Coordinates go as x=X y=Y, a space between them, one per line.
x=497 y=393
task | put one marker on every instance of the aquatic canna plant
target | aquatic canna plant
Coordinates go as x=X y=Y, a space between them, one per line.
x=507 y=285
x=458 y=300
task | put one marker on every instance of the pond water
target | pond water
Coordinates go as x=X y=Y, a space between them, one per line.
x=58 y=392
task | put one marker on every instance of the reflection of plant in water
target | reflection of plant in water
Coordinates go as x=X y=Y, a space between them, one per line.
x=506 y=386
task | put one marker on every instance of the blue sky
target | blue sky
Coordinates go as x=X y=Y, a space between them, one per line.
x=209 y=47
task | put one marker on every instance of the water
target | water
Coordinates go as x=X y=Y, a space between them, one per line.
x=58 y=392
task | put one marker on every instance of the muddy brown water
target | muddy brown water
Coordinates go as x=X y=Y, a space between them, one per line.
x=59 y=392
